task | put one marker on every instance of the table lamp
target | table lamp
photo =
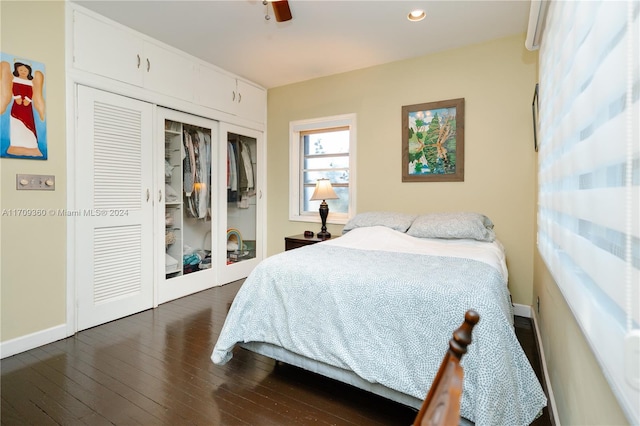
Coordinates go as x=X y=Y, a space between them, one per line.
x=323 y=192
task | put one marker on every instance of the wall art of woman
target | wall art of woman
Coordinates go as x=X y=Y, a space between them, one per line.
x=25 y=88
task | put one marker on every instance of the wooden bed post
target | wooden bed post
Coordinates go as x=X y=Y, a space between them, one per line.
x=442 y=405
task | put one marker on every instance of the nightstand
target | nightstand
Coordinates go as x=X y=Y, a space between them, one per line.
x=296 y=241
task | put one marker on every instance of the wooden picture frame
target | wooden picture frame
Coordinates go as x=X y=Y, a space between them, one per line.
x=433 y=141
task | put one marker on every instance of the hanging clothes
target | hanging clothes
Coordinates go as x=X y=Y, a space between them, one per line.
x=243 y=181
x=189 y=167
x=197 y=174
x=247 y=183
x=202 y=179
x=188 y=164
x=232 y=184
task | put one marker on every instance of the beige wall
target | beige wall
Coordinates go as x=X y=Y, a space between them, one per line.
x=33 y=261
x=582 y=394
x=497 y=81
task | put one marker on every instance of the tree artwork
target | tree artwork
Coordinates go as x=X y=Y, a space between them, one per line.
x=433 y=141
x=432 y=148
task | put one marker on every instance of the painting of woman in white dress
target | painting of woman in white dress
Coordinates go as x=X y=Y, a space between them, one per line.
x=22 y=109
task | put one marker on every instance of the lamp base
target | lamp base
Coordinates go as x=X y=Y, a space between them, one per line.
x=324 y=212
x=323 y=235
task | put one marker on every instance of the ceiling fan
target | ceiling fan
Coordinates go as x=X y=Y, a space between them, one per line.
x=281 y=10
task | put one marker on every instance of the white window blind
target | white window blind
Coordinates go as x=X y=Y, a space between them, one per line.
x=589 y=178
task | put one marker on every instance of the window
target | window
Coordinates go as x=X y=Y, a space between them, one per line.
x=322 y=148
x=589 y=178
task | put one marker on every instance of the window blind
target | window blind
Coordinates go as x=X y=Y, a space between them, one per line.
x=589 y=178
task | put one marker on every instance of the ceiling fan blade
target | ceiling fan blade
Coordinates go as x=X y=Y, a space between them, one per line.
x=281 y=10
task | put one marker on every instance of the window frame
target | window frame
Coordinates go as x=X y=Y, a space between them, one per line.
x=296 y=166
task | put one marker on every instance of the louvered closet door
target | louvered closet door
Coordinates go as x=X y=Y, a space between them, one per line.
x=114 y=227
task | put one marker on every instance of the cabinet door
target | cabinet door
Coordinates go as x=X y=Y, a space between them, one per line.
x=252 y=102
x=168 y=72
x=114 y=227
x=102 y=48
x=240 y=211
x=216 y=89
x=224 y=92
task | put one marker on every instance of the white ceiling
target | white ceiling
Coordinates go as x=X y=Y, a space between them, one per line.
x=324 y=37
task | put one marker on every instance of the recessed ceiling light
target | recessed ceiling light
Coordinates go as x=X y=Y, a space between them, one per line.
x=416 y=15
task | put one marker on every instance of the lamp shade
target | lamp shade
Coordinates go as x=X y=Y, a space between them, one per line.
x=324 y=191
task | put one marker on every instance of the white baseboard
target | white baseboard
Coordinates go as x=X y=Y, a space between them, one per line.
x=553 y=413
x=30 y=341
x=522 y=310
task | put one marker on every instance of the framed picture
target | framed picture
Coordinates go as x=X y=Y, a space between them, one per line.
x=534 y=110
x=433 y=142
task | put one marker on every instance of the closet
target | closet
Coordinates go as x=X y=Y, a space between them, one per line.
x=178 y=171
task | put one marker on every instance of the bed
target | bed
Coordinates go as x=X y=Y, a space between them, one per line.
x=376 y=307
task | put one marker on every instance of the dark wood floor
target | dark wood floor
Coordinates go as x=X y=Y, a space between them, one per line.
x=153 y=368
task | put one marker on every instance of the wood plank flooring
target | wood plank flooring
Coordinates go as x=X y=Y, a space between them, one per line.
x=153 y=368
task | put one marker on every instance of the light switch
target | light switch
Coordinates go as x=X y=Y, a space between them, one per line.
x=35 y=182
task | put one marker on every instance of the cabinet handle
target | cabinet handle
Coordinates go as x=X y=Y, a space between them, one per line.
x=148 y=194
x=233 y=98
x=148 y=65
x=138 y=55
x=159 y=195
x=239 y=97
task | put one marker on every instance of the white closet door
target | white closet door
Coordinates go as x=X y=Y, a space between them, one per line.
x=114 y=207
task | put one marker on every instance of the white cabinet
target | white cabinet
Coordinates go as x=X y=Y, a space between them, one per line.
x=186 y=191
x=109 y=50
x=168 y=72
x=251 y=101
x=217 y=88
x=225 y=92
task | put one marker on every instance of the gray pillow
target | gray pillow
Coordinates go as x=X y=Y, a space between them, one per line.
x=397 y=221
x=458 y=225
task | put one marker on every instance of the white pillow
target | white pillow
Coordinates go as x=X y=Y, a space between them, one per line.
x=397 y=221
x=458 y=225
